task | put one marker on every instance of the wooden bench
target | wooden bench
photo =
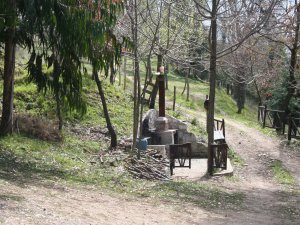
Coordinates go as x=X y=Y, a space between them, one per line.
x=180 y=153
x=219 y=129
x=220 y=148
x=219 y=136
x=220 y=152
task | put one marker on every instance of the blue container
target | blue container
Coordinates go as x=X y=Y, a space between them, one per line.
x=142 y=144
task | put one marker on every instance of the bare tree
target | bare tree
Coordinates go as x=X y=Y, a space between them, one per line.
x=216 y=12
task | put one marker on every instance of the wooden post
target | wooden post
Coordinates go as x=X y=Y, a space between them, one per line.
x=206 y=106
x=258 y=113
x=161 y=92
x=223 y=122
x=283 y=124
x=290 y=128
x=174 y=98
x=125 y=60
x=119 y=68
x=265 y=115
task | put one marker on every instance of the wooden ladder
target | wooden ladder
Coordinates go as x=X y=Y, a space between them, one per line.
x=147 y=93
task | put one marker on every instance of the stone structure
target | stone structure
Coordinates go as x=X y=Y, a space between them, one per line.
x=176 y=134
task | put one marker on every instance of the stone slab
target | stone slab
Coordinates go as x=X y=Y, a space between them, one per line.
x=198 y=170
x=227 y=172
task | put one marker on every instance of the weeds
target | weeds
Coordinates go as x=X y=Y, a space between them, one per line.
x=281 y=174
x=235 y=158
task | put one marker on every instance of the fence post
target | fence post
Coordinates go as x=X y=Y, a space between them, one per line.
x=223 y=121
x=258 y=112
x=174 y=98
x=283 y=127
x=290 y=128
x=283 y=123
x=265 y=115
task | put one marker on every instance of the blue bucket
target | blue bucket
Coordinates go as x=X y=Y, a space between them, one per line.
x=142 y=144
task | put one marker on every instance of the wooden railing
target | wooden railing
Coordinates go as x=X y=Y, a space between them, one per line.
x=293 y=128
x=271 y=118
x=261 y=114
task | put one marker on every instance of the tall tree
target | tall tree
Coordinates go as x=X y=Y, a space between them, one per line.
x=61 y=37
x=10 y=12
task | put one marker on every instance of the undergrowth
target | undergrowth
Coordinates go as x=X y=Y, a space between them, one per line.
x=235 y=158
x=281 y=174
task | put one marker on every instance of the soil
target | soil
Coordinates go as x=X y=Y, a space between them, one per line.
x=266 y=202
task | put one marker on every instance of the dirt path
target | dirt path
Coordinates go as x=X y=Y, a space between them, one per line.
x=267 y=201
x=265 y=196
x=259 y=150
x=61 y=204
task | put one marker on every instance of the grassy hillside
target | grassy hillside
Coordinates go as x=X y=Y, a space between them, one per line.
x=27 y=158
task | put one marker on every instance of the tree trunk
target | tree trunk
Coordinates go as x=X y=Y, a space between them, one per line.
x=185 y=83
x=188 y=85
x=148 y=70
x=119 y=72
x=168 y=45
x=125 y=61
x=56 y=74
x=155 y=88
x=212 y=87
x=112 y=73
x=258 y=93
x=6 y=125
x=58 y=111
x=240 y=91
x=136 y=88
x=292 y=83
x=113 y=135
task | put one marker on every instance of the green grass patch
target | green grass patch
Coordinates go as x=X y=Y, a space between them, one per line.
x=8 y=197
x=232 y=178
x=235 y=158
x=24 y=159
x=281 y=174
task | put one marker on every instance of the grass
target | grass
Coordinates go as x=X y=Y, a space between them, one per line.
x=28 y=160
x=281 y=174
x=235 y=158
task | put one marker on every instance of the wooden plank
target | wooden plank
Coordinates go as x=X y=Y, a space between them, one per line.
x=148 y=92
x=218 y=135
x=150 y=84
